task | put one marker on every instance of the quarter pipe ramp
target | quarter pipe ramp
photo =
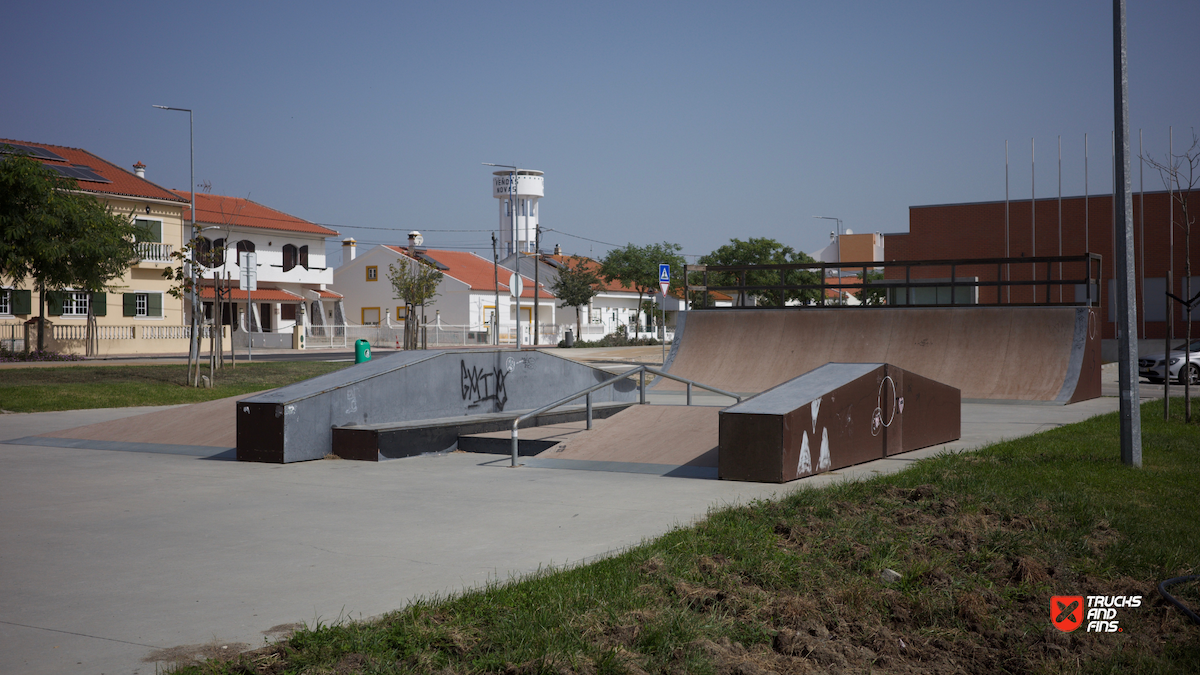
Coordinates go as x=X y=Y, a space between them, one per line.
x=1047 y=354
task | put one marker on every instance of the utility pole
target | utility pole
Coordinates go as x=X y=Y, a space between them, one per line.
x=1131 y=420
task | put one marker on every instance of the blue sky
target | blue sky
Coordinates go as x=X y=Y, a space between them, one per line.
x=686 y=122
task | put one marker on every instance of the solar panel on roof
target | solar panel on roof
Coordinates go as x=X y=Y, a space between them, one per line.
x=31 y=150
x=431 y=261
x=79 y=172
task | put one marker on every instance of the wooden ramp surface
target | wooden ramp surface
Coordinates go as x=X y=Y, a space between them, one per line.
x=648 y=434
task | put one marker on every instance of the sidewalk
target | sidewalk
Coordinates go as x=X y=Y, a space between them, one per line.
x=109 y=555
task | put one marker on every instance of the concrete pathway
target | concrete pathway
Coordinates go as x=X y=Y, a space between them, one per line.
x=107 y=555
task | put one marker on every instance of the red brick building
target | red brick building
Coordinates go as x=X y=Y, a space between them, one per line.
x=977 y=230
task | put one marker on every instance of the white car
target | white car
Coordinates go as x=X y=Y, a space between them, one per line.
x=1153 y=366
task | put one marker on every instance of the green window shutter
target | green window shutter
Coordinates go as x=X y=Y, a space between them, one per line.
x=99 y=304
x=22 y=302
x=154 y=304
x=54 y=303
x=129 y=304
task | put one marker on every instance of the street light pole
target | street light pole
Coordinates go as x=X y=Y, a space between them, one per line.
x=841 y=300
x=512 y=210
x=194 y=349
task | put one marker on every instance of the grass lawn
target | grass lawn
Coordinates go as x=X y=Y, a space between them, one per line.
x=981 y=541
x=72 y=387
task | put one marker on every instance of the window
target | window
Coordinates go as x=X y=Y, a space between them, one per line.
x=153 y=229
x=209 y=252
x=372 y=273
x=244 y=246
x=75 y=304
x=144 y=305
x=291 y=257
x=13 y=302
x=304 y=257
x=370 y=316
x=287 y=312
x=507 y=208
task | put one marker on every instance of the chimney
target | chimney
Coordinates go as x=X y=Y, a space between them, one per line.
x=557 y=250
x=139 y=170
x=414 y=240
x=348 y=249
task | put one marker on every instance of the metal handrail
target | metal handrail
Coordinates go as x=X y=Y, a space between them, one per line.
x=642 y=370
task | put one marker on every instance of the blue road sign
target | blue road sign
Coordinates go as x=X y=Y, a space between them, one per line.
x=664 y=276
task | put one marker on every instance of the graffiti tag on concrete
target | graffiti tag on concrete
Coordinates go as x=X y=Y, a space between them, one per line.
x=483 y=384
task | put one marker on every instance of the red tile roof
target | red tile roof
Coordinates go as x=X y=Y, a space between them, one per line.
x=263 y=294
x=614 y=285
x=573 y=260
x=219 y=210
x=123 y=182
x=475 y=271
x=329 y=294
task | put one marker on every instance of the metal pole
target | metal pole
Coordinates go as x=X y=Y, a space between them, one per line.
x=1007 y=266
x=1060 y=265
x=1033 y=215
x=512 y=191
x=537 y=301
x=496 y=279
x=589 y=411
x=1142 y=232
x=1167 y=351
x=1131 y=421
x=1086 y=199
x=514 y=446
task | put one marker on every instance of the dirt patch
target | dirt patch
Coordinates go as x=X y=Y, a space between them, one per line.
x=192 y=654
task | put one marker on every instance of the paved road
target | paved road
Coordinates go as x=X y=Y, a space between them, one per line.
x=108 y=556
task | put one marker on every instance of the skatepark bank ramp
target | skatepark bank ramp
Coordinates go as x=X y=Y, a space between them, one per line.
x=1047 y=354
x=297 y=422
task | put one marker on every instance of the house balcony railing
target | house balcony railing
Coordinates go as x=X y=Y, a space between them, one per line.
x=154 y=252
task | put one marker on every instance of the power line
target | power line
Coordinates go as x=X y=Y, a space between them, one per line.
x=595 y=241
x=389 y=229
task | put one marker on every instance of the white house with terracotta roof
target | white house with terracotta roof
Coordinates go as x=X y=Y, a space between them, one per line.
x=136 y=314
x=466 y=300
x=293 y=279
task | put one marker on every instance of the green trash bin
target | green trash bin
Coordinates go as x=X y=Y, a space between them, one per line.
x=362 y=351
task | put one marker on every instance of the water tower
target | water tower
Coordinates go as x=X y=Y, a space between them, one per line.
x=520 y=197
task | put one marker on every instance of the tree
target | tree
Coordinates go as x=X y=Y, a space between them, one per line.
x=577 y=284
x=1181 y=175
x=763 y=251
x=872 y=296
x=416 y=283
x=58 y=236
x=636 y=267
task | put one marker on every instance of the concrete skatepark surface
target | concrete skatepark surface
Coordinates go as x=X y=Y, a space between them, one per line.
x=111 y=554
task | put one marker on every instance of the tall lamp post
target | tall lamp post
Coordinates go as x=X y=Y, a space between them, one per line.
x=512 y=211
x=841 y=299
x=194 y=350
